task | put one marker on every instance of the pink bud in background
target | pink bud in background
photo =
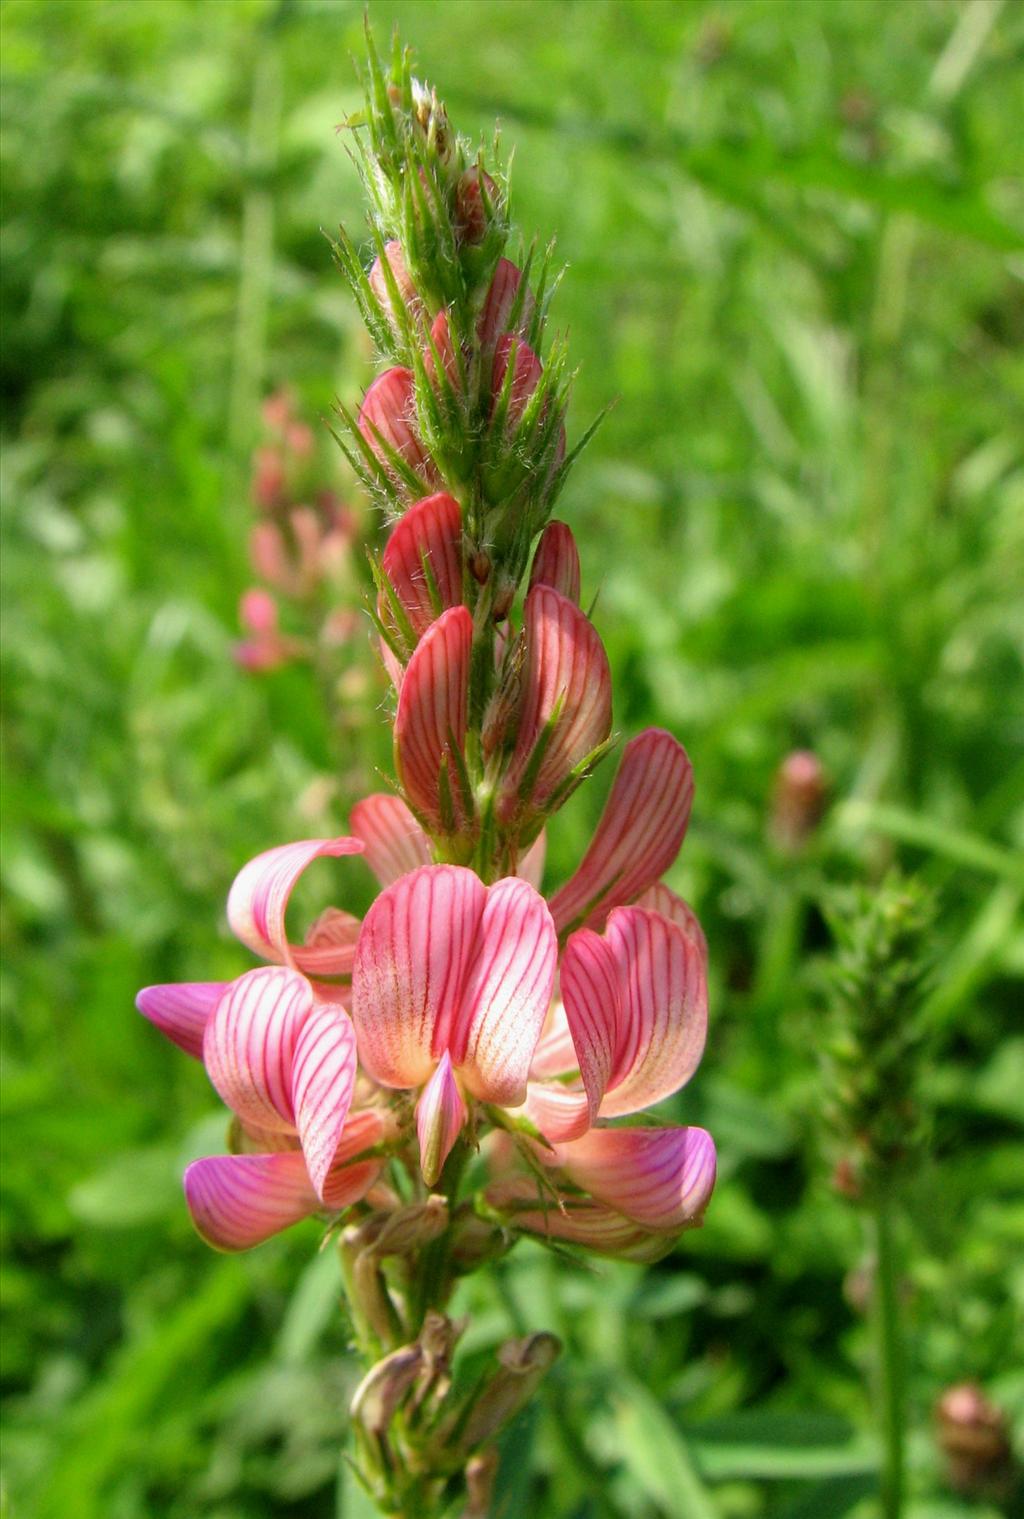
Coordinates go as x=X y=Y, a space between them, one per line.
x=471 y=217
x=388 y=413
x=277 y=410
x=299 y=439
x=268 y=477
x=270 y=558
x=974 y=1437
x=267 y=648
x=798 y=801
x=403 y=280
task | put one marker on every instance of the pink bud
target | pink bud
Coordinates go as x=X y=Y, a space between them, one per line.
x=257 y=612
x=496 y=316
x=403 y=280
x=388 y=412
x=526 y=376
x=268 y=477
x=270 y=558
x=557 y=561
x=471 y=218
x=441 y=338
x=798 y=802
x=277 y=410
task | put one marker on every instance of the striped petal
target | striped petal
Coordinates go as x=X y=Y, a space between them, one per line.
x=415 y=950
x=567 y=702
x=639 y=834
x=663 y=1010
x=661 y=1178
x=661 y=899
x=507 y=994
x=592 y=1000
x=322 y=1078
x=556 y=562
x=431 y=716
x=237 y=1201
x=497 y=314
x=440 y=1114
x=181 y=1010
x=559 y=1112
x=576 y=1221
x=428 y=538
x=258 y=900
x=330 y=944
x=250 y=1041
x=388 y=413
x=393 y=840
x=345 y=1185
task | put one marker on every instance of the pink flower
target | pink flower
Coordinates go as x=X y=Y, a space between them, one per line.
x=422 y=570
x=266 y=648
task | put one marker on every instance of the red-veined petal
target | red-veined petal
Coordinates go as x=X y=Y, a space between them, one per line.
x=237 y=1201
x=181 y=1009
x=661 y=899
x=440 y=1114
x=323 y=1076
x=661 y=1178
x=592 y=999
x=258 y=900
x=394 y=841
x=389 y=409
x=249 y=1044
x=431 y=715
x=429 y=533
x=556 y=561
x=639 y=834
x=560 y=1112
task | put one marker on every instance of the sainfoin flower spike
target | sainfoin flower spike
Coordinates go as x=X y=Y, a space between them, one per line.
x=471 y=1060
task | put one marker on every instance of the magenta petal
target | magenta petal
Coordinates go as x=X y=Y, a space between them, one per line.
x=323 y=1076
x=431 y=715
x=180 y=1009
x=567 y=687
x=639 y=834
x=556 y=561
x=661 y=1178
x=440 y=1114
x=663 y=1015
x=507 y=994
x=414 y=953
x=429 y=534
x=250 y=1040
x=394 y=841
x=258 y=900
x=238 y=1201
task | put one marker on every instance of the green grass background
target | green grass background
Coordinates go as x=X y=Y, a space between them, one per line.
x=794 y=239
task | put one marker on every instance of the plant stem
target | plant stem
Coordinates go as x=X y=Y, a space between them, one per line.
x=889 y=1355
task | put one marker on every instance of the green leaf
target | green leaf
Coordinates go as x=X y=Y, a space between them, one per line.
x=769 y=1445
x=658 y=1455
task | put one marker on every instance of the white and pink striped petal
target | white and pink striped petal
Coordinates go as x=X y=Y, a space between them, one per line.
x=394 y=842
x=258 y=901
x=323 y=1076
x=249 y=1044
x=237 y=1201
x=431 y=718
x=440 y=1114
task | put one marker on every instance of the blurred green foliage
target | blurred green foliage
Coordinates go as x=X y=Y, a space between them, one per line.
x=793 y=234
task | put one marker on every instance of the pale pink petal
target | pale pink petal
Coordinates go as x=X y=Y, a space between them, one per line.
x=181 y=1009
x=531 y=864
x=237 y=1201
x=394 y=841
x=249 y=1044
x=416 y=946
x=556 y=561
x=663 y=1012
x=639 y=834
x=258 y=900
x=662 y=1178
x=364 y=1129
x=431 y=715
x=507 y=994
x=555 y=1055
x=559 y=1112
x=330 y=944
x=527 y=372
x=323 y=1076
x=567 y=685
x=429 y=533
x=440 y=1114
x=444 y=349
x=661 y=899
x=388 y=412
x=592 y=998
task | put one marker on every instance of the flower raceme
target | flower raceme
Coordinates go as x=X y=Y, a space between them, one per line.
x=449 y=993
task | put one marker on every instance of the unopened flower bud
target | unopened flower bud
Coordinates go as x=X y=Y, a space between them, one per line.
x=973 y=1435
x=471 y=215
x=798 y=801
x=381 y=286
x=481 y=1471
x=413 y=1227
x=268 y=477
x=522 y=1365
x=557 y=561
x=480 y=566
x=387 y=420
x=378 y=1395
x=527 y=371
x=504 y=309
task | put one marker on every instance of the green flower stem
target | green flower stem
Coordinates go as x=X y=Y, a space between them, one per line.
x=889 y=1355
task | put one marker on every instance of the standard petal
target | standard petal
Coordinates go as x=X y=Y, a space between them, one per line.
x=661 y=899
x=323 y=1076
x=592 y=999
x=431 y=717
x=237 y=1201
x=249 y=1044
x=258 y=900
x=425 y=546
x=661 y=1178
x=440 y=1114
x=556 y=561
x=663 y=1015
x=639 y=834
x=415 y=950
x=395 y=843
x=567 y=700
x=181 y=1009
x=508 y=993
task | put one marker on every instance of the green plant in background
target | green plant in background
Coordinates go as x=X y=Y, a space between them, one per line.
x=793 y=238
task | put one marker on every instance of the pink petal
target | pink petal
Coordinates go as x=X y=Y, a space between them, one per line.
x=661 y=1178
x=330 y=944
x=444 y=348
x=639 y=834
x=389 y=409
x=412 y=961
x=663 y=1015
x=440 y=1114
x=507 y=994
x=592 y=999
x=259 y=896
x=180 y=1009
x=576 y=1221
x=429 y=532
x=250 y=1041
x=432 y=711
x=555 y=1055
x=323 y=1076
x=527 y=371
x=566 y=670
x=660 y=899
x=556 y=562
x=559 y=1112
x=531 y=864
x=403 y=281
x=347 y=1184
x=237 y=1201
x=394 y=841
x=496 y=316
